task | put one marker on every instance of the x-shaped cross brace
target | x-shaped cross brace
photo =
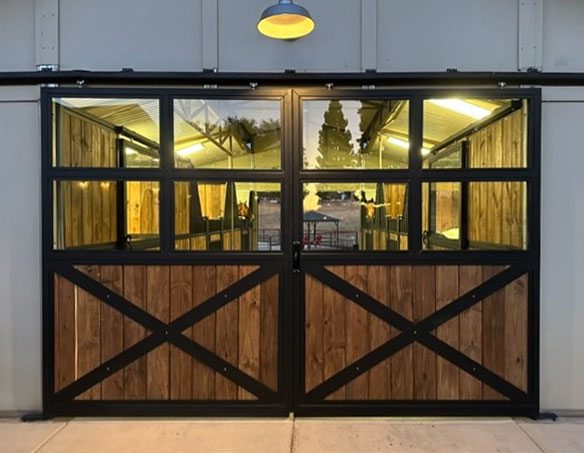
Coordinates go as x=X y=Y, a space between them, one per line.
x=162 y=332
x=411 y=332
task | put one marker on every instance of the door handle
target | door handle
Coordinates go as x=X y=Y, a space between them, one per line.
x=296 y=257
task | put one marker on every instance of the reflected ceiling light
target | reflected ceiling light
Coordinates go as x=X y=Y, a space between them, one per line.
x=190 y=149
x=285 y=21
x=466 y=108
x=404 y=144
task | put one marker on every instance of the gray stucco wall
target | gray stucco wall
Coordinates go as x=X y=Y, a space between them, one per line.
x=351 y=35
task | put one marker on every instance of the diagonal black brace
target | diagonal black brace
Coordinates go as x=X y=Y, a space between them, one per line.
x=222 y=298
x=360 y=366
x=110 y=298
x=353 y=293
x=231 y=372
x=472 y=367
x=162 y=332
x=415 y=332
x=109 y=367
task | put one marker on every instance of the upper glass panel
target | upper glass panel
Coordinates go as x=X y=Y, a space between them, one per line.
x=474 y=133
x=348 y=134
x=354 y=216
x=237 y=134
x=96 y=132
x=227 y=216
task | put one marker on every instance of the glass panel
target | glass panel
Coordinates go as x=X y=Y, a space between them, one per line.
x=355 y=216
x=496 y=215
x=441 y=215
x=88 y=215
x=474 y=133
x=235 y=216
x=243 y=134
x=366 y=134
x=106 y=132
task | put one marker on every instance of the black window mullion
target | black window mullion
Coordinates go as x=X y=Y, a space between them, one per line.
x=415 y=183
x=166 y=184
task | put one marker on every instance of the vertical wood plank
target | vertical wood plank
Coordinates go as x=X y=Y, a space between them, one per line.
x=493 y=341
x=516 y=297
x=470 y=332
x=269 y=329
x=402 y=362
x=65 y=195
x=97 y=215
x=357 y=326
x=204 y=332
x=249 y=332
x=65 y=367
x=88 y=333
x=314 y=328
x=334 y=340
x=135 y=372
x=379 y=332
x=158 y=305
x=86 y=151
x=181 y=300
x=76 y=213
x=112 y=332
x=226 y=345
x=447 y=373
x=64 y=146
x=424 y=300
x=75 y=142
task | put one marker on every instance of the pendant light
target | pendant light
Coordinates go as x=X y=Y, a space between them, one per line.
x=285 y=21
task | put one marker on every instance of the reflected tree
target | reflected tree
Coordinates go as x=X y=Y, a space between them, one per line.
x=334 y=140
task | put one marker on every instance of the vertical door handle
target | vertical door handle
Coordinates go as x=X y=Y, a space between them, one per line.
x=296 y=257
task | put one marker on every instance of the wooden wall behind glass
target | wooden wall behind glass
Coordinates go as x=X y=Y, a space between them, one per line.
x=93 y=132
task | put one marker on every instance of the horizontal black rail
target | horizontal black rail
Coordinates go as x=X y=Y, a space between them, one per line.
x=450 y=78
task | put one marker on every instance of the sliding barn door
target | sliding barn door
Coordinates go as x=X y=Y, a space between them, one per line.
x=419 y=253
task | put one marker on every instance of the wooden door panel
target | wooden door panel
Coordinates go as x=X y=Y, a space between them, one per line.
x=93 y=329
x=478 y=352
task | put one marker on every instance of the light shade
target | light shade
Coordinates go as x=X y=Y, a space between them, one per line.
x=285 y=21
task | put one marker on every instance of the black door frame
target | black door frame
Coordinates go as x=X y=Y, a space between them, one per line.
x=291 y=372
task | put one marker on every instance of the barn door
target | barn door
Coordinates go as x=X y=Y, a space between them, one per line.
x=255 y=252
x=419 y=254
x=165 y=269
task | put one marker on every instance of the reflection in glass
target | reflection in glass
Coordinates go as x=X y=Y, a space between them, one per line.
x=89 y=216
x=106 y=132
x=366 y=134
x=354 y=216
x=235 y=216
x=244 y=134
x=474 y=133
x=441 y=215
x=493 y=217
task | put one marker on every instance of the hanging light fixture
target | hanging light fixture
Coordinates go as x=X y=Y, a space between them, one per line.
x=285 y=21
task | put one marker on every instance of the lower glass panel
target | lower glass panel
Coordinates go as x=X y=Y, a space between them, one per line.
x=355 y=216
x=493 y=215
x=106 y=215
x=230 y=216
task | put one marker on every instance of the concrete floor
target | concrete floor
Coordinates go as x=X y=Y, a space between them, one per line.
x=301 y=435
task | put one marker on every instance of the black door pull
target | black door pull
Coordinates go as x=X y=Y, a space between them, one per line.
x=296 y=257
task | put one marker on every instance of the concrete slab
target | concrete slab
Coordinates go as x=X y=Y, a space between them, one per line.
x=17 y=437
x=415 y=436
x=563 y=436
x=176 y=436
